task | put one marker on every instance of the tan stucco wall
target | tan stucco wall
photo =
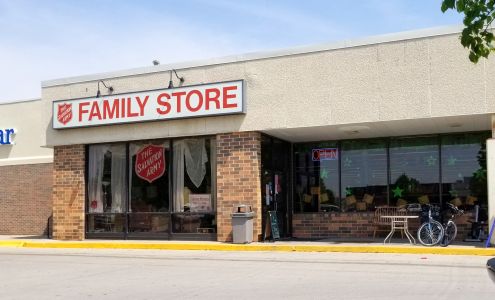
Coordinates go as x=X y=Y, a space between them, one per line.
x=25 y=117
x=411 y=79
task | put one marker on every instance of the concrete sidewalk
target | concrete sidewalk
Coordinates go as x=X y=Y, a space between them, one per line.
x=398 y=246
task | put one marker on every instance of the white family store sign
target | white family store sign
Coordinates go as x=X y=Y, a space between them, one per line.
x=192 y=101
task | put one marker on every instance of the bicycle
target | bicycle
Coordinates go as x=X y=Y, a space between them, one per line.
x=450 y=228
x=431 y=231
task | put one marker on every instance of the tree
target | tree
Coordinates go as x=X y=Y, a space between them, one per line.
x=478 y=16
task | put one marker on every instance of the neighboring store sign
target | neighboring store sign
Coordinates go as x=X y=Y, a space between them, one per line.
x=325 y=154
x=185 y=102
x=6 y=136
x=150 y=163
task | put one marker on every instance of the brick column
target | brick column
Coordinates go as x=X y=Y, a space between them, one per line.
x=238 y=179
x=68 y=192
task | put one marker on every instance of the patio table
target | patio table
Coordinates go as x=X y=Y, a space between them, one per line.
x=400 y=223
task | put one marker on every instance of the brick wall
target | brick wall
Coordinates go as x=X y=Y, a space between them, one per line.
x=355 y=225
x=68 y=192
x=238 y=179
x=25 y=199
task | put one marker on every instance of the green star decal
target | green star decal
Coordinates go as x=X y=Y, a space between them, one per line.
x=431 y=161
x=451 y=161
x=348 y=191
x=397 y=191
x=347 y=162
x=324 y=174
x=454 y=193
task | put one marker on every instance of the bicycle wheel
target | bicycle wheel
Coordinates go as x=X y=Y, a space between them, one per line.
x=449 y=234
x=430 y=233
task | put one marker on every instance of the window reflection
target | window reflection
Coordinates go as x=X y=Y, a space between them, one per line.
x=105 y=223
x=414 y=170
x=405 y=171
x=149 y=222
x=193 y=223
x=364 y=175
x=464 y=170
x=317 y=177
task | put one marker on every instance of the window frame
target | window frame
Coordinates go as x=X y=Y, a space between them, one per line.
x=126 y=234
x=388 y=141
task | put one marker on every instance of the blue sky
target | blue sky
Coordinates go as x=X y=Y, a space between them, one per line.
x=42 y=40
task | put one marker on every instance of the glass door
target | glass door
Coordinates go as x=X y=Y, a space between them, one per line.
x=274 y=183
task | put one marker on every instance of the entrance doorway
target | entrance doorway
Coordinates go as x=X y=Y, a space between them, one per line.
x=275 y=170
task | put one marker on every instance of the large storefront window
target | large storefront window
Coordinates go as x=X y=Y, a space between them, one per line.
x=464 y=170
x=149 y=187
x=194 y=186
x=106 y=188
x=364 y=174
x=316 y=177
x=134 y=191
x=414 y=170
x=360 y=175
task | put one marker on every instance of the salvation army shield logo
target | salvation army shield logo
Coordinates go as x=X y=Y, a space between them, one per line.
x=64 y=114
x=150 y=162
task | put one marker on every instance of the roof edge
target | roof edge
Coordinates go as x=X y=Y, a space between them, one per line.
x=371 y=40
x=19 y=101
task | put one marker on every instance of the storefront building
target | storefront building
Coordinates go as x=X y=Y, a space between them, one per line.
x=25 y=170
x=322 y=135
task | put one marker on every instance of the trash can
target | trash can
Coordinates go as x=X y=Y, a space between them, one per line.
x=242 y=225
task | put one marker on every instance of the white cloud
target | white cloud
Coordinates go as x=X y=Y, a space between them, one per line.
x=49 y=45
x=42 y=40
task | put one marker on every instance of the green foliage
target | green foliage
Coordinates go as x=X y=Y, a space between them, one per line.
x=478 y=182
x=478 y=16
x=407 y=184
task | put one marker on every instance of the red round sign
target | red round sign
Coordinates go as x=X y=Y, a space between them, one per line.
x=150 y=163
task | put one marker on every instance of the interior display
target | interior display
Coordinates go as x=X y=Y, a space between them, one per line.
x=106 y=178
x=316 y=173
x=150 y=162
x=193 y=168
x=134 y=180
x=200 y=203
x=391 y=171
x=325 y=154
x=148 y=178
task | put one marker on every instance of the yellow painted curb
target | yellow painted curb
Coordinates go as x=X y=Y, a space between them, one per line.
x=254 y=247
x=12 y=244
